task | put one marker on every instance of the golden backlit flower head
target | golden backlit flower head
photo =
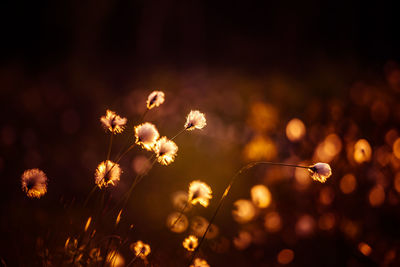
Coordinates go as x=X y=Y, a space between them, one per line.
x=146 y=135
x=195 y=120
x=141 y=249
x=34 y=183
x=165 y=150
x=199 y=263
x=190 y=243
x=107 y=173
x=112 y=122
x=155 y=99
x=199 y=192
x=320 y=172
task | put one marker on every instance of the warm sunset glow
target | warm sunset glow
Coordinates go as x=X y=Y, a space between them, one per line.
x=348 y=183
x=285 y=256
x=364 y=248
x=295 y=130
x=396 y=148
x=243 y=240
x=327 y=221
x=362 y=151
x=376 y=196
x=177 y=222
x=328 y=149
x=260 y=148
x=260 y=195
x=273 y=222
x=243 y=211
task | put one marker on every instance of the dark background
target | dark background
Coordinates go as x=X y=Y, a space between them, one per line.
x=62 y=63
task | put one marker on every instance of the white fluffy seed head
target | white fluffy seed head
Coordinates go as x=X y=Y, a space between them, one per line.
x=195 y=120
x=155 y=99
x=165 y=150
x=146 y=135
x=320 y=171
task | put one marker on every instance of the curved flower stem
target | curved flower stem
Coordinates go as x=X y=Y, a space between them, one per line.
x=226 y=192
x=110 y=145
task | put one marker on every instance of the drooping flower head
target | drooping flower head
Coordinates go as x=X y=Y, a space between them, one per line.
x=320 y=171
x=112 y=122
x=165 y=150
x=195 y=120
x=155 y=99
x=146 y=135
x=34 y=183
x=199 y=192
x=190 y=243
x=199 y=263
x=107 y=173
x=141 y=249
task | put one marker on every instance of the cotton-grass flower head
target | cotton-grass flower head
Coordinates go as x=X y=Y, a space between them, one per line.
x=320 y=172
x=165 y=150
x=199 y=192
x=195 y=120
x=112 y=122
x=146 y=135
x=34 y=183
x=190 y=243
x=107 y=173
x=199 y=263
x=141 y=249
x=155 y=99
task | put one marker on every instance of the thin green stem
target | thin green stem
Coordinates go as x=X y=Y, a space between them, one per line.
x=226 y=192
